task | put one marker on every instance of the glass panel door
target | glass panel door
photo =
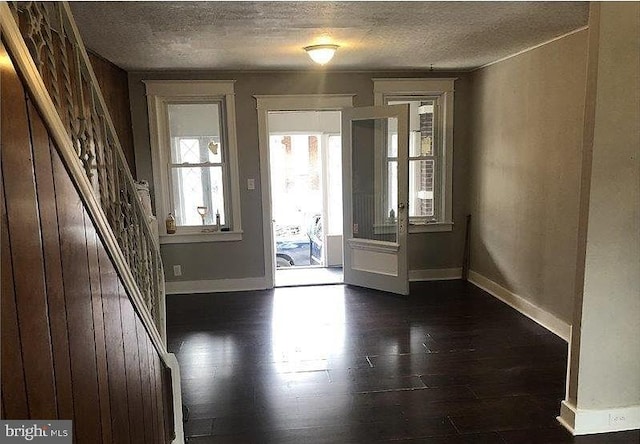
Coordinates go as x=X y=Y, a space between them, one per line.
x=375 y=174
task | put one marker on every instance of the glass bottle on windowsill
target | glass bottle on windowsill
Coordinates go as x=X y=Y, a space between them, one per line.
x=217 y=220
x=170 y=224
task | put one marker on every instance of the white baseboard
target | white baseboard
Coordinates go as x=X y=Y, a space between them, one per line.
x=215 y=285
x=587 y=422
x=435 y=274
x=532 y=311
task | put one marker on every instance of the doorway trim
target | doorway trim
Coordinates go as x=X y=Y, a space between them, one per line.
x=295 y=102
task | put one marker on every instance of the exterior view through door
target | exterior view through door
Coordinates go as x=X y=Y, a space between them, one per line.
x=306 y=196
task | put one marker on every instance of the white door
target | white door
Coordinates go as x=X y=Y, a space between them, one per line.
x=375 y=145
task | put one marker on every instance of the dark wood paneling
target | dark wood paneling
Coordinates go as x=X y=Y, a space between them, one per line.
x=115 y=350
x=75 y=267
x=152 y=392
x=73 y=346
x=14 y=400
x=98 y=322
x=26 y=254
x=157 y=386
x=132 y=366
x=53 y=269
x=115 y=89
x=169 y=424
x=145 y=377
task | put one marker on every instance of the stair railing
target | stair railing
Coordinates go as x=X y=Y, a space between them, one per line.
x=47 y=51
x=46 y=47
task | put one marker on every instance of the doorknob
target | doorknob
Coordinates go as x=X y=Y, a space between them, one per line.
x=401 y=206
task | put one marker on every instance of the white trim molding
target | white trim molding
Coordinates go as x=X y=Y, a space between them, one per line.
x=414 y=86
x=548 y=320
x=176 y=388
x=373 y=245
x=531 y=48
x=442 y=91
x=218 y=236
x=264 y=104
x=435 y=274
x=587 y=422
x=303 y=102
x=161 y=93
x=216 y=285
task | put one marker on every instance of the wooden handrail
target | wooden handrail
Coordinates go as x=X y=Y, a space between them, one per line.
x=46 y=48
x=47 y=51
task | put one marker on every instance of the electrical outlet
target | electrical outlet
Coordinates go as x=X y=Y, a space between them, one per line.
x=177 y=270
x=617 y=419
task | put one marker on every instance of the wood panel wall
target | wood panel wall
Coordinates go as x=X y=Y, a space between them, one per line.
x=73 y=346
x=115 y=89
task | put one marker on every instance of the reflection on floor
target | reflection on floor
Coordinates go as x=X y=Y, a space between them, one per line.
x=335 y=364
x=294 y=276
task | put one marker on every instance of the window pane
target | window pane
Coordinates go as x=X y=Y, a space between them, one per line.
x=369 y=204
x=426 y=118
x=185 y=150
x=421 y=119
x=195 y=133
x=195 y=187
x=421 y=186
x=392 y=187
x=392 y=143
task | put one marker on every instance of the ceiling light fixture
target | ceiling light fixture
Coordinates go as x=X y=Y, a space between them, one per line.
x=321 y=54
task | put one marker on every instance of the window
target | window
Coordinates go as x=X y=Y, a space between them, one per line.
x=430 y=149
x=195 y=159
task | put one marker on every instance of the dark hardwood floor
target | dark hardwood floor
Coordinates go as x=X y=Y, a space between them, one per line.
x=336 y=364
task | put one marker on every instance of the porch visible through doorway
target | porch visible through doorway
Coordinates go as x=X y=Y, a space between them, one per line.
x=306 y=196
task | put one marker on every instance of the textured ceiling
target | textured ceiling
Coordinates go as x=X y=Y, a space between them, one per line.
x=270 y=35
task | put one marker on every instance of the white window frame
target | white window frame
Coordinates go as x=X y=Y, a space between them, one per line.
x=161 y=93
x=443 y=88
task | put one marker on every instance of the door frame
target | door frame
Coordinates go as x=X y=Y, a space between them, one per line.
x=289 y=102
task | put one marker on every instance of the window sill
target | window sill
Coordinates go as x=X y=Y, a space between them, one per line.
x=190 y=238
x=433 y=227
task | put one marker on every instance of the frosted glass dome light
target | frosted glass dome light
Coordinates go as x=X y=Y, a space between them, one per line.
x=321 y=54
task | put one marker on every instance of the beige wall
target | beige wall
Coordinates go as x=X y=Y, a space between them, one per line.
x=605 y=369
x=244 y=259
x=527 y=120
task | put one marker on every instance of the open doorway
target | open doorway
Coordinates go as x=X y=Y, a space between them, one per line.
x=305 y=158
